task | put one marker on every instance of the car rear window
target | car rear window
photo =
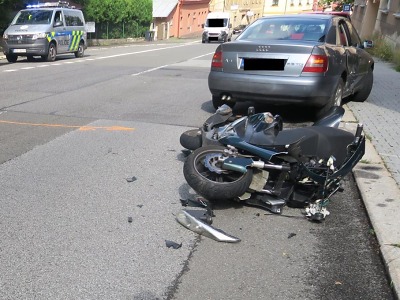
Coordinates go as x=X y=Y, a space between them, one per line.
x=286 y=29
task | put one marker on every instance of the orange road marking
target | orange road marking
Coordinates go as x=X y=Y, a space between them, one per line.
x=81 y=128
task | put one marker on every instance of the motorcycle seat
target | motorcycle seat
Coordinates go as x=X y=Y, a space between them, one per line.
x=315 y=141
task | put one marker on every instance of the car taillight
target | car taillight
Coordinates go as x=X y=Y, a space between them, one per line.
x=217 y=60
x=316 y=64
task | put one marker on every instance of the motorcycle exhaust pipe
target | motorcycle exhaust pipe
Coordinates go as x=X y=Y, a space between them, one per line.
x=241 y=164
x=263 y=165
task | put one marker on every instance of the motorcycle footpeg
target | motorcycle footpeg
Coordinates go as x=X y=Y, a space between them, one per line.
x=273 y=205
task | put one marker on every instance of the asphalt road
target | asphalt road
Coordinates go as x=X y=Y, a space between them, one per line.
x=72 y=132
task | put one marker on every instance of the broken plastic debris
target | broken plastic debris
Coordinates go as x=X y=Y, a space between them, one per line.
x=131 y=179
x=198 y=202
x=197 y=226
x=291 y=235
x=171 y=244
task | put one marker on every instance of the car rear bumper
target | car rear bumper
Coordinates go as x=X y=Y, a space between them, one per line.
x=276 y=90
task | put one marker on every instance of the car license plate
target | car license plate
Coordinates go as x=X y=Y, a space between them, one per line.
x=19 y=51
x=266 y=64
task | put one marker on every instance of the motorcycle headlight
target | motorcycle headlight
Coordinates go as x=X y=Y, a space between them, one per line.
x=41 y=35
x=5 y=36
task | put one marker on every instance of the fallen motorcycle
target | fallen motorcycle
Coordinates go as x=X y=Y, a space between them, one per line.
x=253 y=159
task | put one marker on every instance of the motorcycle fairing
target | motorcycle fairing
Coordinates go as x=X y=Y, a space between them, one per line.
x=345 y=168
x=254 y=150
x=332 y=118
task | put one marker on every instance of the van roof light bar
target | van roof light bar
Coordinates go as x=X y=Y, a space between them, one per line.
x=50 y=4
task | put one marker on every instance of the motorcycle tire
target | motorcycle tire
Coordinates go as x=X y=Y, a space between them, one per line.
x=210 y=184
x=191 y=139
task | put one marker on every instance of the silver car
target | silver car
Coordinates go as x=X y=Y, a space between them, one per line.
x=303 y=60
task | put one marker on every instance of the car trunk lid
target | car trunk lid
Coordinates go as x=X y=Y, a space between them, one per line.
x=282 y=59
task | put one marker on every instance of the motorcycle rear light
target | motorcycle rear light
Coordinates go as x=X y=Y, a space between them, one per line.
x=217 y=60
x=316 y=64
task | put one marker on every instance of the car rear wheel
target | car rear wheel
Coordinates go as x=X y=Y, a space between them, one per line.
x=363 y=94
x=12 y=58
x=335 y=100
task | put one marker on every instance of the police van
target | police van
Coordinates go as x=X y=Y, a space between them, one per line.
x=45 y=30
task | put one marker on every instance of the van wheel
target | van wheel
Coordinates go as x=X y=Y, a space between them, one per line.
x=51 y=56
x=81 y=50
x=12 y=58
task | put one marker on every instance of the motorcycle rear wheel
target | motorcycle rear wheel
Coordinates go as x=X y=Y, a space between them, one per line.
x=216 y=184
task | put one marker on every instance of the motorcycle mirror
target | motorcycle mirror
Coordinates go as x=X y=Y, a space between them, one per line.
x=224 y=110
x=251 y=111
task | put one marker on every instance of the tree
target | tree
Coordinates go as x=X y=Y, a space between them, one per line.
x=8 y=8
x=129 y=17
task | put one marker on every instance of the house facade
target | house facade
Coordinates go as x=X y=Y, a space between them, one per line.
x=282 y=7
x=380 y=17
x=178 y=18
x=242 y=12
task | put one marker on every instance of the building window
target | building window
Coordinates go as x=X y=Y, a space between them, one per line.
x=275 y=2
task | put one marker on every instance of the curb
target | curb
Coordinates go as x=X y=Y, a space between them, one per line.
x=380 y=194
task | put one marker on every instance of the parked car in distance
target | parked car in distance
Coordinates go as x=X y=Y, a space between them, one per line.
x=310 y=60
x=239 y=29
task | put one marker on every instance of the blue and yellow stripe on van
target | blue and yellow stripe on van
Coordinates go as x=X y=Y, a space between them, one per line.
x=50 y=36
x=76 y=38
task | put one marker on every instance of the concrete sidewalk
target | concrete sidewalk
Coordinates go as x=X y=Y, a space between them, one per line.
x=377 y=175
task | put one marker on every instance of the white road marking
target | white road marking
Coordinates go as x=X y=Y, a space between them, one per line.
x=114 y=56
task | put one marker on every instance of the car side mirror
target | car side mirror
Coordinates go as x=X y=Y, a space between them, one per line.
x=368 y=44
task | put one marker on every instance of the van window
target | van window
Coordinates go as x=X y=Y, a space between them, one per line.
x=217 y=22
x=73 y=18
x=58 y=16
x=26 y=17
